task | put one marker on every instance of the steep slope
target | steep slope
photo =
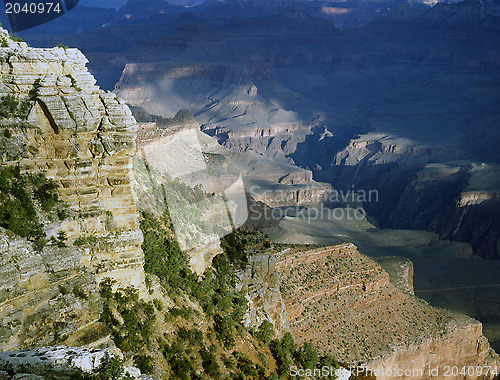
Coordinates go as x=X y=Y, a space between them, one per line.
x=83 y=139
x=87 y=285
x=347 y=304
x=367 y=108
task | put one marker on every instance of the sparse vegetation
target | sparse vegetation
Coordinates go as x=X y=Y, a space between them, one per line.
x=73 y=81
x=210 y=300
x=222 y=304
x=59 y=240
x=12 y=107
x=129 y=318
x=265 y=332
x=14 y=38
x=24 y=198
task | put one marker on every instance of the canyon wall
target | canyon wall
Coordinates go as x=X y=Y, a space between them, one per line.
x=260 y=281
x=82 y=138
x=347 y=304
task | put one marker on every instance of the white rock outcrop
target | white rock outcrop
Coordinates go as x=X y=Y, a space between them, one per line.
x=58 y=363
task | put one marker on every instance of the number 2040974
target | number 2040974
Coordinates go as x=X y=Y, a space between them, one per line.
x=32 y=8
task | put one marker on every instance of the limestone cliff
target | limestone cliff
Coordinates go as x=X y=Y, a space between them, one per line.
x=59 y=363
x=83 y=138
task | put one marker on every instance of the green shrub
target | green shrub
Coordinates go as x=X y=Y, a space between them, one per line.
x=224 y=330
x=61 y=239
x=158 y=304
x=135 y=332
x=307 y=356
x=73 y=82
x=110 y=369
x=209 y=363
x=144 y=363
x=265 y=332
x=63 y=290
x=12 y=107
x=17 y=39
x=18 y=194
x=79 y=292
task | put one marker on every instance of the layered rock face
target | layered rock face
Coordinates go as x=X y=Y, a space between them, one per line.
x=46 y=297
x=83 y=138
x=260 y=282
x=467 y=197
x=348 y=305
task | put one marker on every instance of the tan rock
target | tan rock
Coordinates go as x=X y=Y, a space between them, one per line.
x=346 y=304
x=84 y=139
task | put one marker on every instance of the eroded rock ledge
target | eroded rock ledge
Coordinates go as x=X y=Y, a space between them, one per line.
x=345 y=303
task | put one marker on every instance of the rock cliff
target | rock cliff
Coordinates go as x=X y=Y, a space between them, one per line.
x=260 y=281
x=82 y=138
x=346 y=303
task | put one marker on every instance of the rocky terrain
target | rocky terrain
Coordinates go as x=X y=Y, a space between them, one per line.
x=82 y=282
x=261 y=282
x=413 y=117
x=83 y=138
x=350 y=305
x=58 y=363
x=205 y=162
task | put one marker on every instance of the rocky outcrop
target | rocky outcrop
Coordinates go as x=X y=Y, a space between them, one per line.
x=46 y=297
x=260 y=282
x=82 y=138
x=345 y=303
x=59 y=363
x=400 y=270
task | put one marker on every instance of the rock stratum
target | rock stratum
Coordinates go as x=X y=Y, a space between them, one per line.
x=58 y=363
x=347 y=304
x=83 y=138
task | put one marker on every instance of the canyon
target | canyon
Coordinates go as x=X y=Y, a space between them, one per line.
x=300 y=109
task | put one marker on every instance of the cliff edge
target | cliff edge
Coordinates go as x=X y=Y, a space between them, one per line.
x=83 y=139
